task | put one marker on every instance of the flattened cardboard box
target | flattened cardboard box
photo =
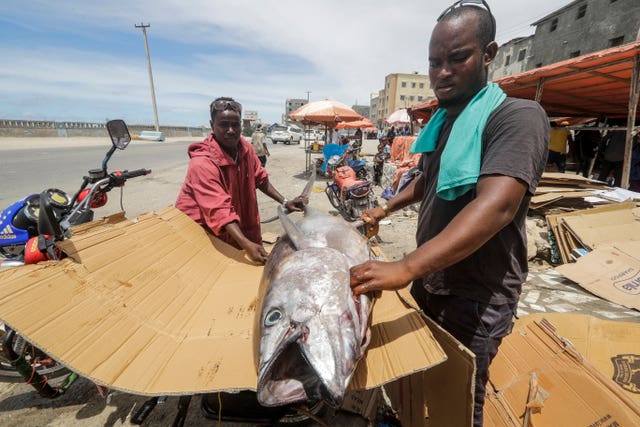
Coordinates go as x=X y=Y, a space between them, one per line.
x=539 y=379
x=611 y=346
x=158 y=307
x=611 y=271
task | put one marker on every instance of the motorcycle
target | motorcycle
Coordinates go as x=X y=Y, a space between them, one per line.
x=350 y=192
x=29 y=230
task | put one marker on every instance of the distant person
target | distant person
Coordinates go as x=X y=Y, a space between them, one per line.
x=558 y=145
x=391 y=134
x=613 y=156
x=634 y=175
x=378 y=160
x=259 y=145
x=336 y=138
x=358 y=135
x=219 y=191
x=586 y=144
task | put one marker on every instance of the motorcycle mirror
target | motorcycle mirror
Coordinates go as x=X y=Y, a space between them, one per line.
x=119 y=133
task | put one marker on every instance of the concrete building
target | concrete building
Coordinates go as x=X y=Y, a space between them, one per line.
x=373 y=107
x=291 y=105
x=511 y=58
x=363 y=110
x=401 y=91
x=581 y=27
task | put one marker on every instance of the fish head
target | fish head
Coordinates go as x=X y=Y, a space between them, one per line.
x=310 y=330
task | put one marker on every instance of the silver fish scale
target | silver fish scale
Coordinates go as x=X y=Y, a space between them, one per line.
x=311 y=332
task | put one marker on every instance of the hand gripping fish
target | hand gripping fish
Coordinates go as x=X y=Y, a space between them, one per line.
x=312 y=330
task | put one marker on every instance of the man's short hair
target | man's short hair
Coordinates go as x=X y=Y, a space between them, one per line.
x=486 y=22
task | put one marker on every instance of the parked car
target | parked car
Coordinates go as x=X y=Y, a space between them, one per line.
x=286 y=134
x=311 y=135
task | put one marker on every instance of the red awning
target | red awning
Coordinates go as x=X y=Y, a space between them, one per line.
x=592 y=85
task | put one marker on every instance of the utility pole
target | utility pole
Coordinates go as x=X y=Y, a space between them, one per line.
x=308 y=92
x=153 y=93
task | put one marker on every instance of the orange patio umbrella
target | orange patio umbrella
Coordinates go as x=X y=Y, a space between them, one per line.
x=328 y=113
x=365 y=124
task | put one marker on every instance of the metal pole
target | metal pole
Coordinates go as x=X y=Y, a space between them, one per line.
x=153 y=93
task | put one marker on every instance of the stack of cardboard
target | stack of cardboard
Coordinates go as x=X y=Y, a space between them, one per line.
x=567 y=191
x=579 y=232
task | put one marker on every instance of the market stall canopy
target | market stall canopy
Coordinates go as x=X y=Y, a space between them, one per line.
x=327 y=113
x=592 y=85
x=399 y=117
x=364 y=124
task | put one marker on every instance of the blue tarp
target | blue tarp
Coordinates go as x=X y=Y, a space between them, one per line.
x=331 y=150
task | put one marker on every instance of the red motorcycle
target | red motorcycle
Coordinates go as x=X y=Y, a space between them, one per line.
x=31 y=228
x=350 y=194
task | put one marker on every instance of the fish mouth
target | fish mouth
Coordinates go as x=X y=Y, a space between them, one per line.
x=290 y=378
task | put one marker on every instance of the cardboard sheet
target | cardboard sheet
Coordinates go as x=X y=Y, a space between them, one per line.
x=539 y=379
x=612 y=272
x=158 y=307
x=611 y=346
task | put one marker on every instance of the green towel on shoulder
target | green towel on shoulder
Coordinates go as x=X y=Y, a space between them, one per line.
x=460 y=162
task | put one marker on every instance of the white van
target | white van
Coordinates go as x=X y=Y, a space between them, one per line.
x=286 y=134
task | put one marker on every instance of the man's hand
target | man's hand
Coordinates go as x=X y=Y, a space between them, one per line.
x=371 y=218
x=297 y=204
x=377 y=276
x=256 y=252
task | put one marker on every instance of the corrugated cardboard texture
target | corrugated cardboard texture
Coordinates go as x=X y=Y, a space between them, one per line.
x=445 y=390
x=592 y=230
x=611 y=272
x=158 y=307
x=611 y=346
x=536 y=367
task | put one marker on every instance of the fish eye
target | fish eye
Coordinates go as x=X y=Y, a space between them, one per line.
x=272 y=317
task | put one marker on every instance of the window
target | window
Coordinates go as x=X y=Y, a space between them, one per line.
x=574 y=54
x=507 y=60
x=421 y=85
x=539 y=64
x=582 y=10
x=404 y=84
x=616 y=41
x=413 y=84
x=521 y=54
x=411 y=98
x=554 y=25
x=401 y=97
x=419 y=97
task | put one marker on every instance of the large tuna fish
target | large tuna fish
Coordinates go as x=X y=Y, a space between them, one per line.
x=312 y=330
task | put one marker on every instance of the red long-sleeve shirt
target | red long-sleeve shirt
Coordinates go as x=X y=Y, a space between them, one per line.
x=218 y=191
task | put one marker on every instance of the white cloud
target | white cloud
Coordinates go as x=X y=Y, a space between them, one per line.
x=260 y=52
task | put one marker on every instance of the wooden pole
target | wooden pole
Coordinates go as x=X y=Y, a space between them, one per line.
x=634 y=95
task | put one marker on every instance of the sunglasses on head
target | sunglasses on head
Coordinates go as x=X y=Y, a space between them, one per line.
x=222 y=105
x=477 y=3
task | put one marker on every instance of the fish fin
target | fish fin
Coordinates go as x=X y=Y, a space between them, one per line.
x=306 y=192
x=293 y=231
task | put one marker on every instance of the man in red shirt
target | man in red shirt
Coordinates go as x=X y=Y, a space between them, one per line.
x=219 y=191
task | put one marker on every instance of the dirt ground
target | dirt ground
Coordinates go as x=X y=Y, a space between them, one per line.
x=84 y=406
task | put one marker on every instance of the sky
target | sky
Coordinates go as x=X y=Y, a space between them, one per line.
x=73 y=60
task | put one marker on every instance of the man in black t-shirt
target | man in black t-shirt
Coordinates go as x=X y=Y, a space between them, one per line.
x=475 y=188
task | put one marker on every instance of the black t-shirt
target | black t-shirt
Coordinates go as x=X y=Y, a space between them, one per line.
x=514 y=143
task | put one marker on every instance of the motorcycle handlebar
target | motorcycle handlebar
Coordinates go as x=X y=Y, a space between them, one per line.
x=135 y=173
x=118 y=178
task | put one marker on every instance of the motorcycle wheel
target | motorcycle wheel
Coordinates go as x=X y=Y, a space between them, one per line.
x=43 y=363
x=333 y=198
